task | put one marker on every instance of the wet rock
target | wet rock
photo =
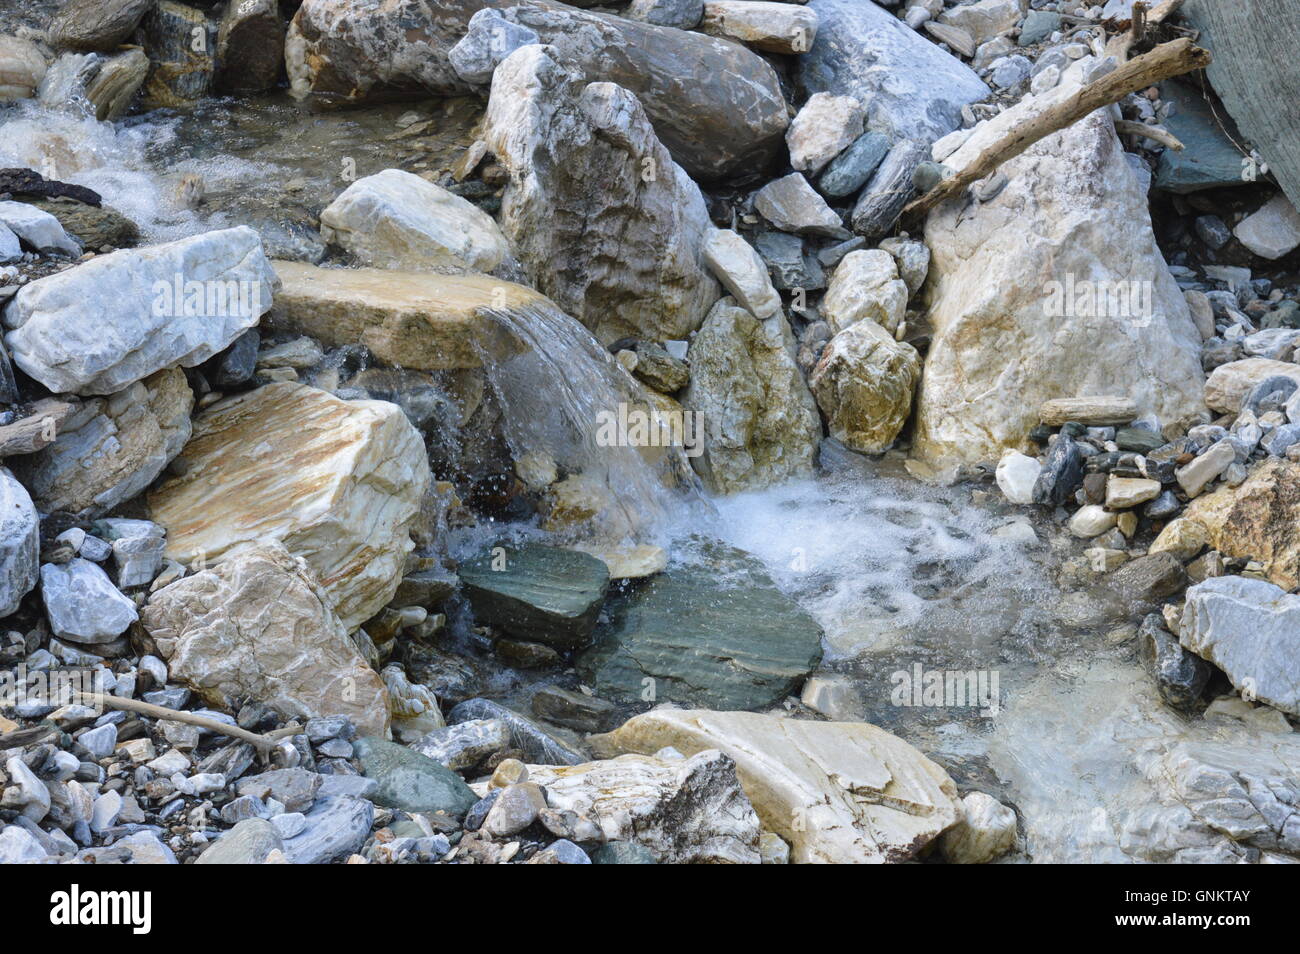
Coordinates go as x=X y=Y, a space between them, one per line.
x=410 y=781
x=96 y=24
x=19 y=543
x=182 y=66
x=92 y=226
x=110 y=449
x=683 y=811
x=741 y=271
x=760 y=421
x=864 y=384
x=1257 y=520
x=819 y=785
x=791 y=205
x=729 y=122
x=1049 y=215
x=466 y=745
x=82 y=603
x=659 y=369
x=718 y=634
x=1181 y=676
x=250 y=47
x=28 y=184
x=890 y=188
x=348 y=481
x=259 y=626
x=248 y=843
x=1017 y=475
x=606 y=223
x=22 y=67
x=573 y=710
x=866 y=286
x=56 y=323
x=540 y=593
x=771 y=27
x=1091 y=521
x=985 y=832
x=536 y=744
x=910 y=88
x=394 y=219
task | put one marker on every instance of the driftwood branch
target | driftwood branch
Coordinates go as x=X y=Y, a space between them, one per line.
x=1167 y=60
x=1160 y=134
x=262 y=743
x=1140 y=27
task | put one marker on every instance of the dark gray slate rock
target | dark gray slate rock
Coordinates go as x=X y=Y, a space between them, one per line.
x=543 y=594
x=1254 y=49
x=1062 y=473
x=573 y=710
x=910 y=88
x=682 y=14
x=715 y=636
x=336 y=828
x=250 y=47
x=1038 y=26
x=295 y=788
x=788 y=263
x=1149 y=579
x=1181 y=676
x=882 y=199
x=539 y=747
x=1209 y=159
x=849 y=170
x=410 y=781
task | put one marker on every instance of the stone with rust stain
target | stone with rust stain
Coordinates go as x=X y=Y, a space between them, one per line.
x=1259 y=520
x=339 y=483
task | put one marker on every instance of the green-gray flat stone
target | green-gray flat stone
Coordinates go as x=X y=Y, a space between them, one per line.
x=1209 y=160
x=717 y=636
x=410 y=781
x=542 y=594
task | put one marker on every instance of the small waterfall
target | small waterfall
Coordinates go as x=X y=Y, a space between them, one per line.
x=557 y=387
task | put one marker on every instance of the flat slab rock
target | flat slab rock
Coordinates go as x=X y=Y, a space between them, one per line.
x=718 y=634
x=838 y=792
x=339 y=483
x=543 y=594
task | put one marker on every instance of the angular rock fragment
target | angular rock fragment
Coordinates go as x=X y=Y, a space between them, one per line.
x=82 y=603
x=771 y=27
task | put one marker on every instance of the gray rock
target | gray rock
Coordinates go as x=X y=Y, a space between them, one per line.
x=82 y=603
x=573 y=710
x=910 y=88
x=96 y=24
x=294 y=788
x=410 y=781
x=1181 y=676
x=489 y=39
x=682 y=14
x=248 y=843
x=883 y=197
x=1010 y=71
x=1062 y=472
x=99 y=742
x=1250 y=629
x=622 y=853
x=538 y=593
x=538 y=746
x=1149 y=579
x=466 y=745
x=56 y=323
x=354 y=786
x=1209 y=159
x=1038 y=26
x=336 y=828
x=792 y=205
x=1212 y=231
x=848 y=171
x=715 y=634
x=19 y=543
x=250 y=47
x=19 y=847
x=787 y=262
x=562 y=852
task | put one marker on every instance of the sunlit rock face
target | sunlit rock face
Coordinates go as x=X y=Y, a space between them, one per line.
x=337 y=482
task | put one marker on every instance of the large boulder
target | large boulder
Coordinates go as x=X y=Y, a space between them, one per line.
x=760 y=421
x=1246 y=57
x=1251 y=630
x=395 y=219
x=110 y=449
x=864 y=384
x=259 y=626
x=20 y=543
x=250 y=47
x=728 y=118
x=97 y=24
x=415 y=320
x=606 y=223
x=22 y=67
x=909 y=87
x=1258 y=520
x=107 y=323
x=838 y=792
x=683 y=811
x=339 y=483
x=714 y=633
x=1054 y=288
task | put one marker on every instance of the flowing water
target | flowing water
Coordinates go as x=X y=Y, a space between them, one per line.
x=899 y=575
